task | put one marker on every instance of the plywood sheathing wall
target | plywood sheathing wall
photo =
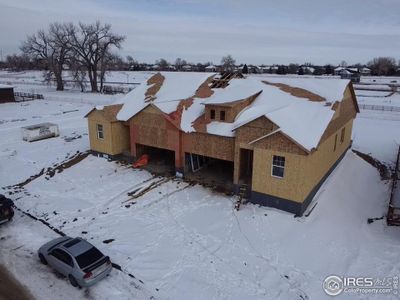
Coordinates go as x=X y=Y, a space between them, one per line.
x=116 y=134
x=209 y=145
x=96 y=144
x=297 y=92
x=120 y=138
x=111 y=111
x=345 y=111
x=205 y=144
x=264 y=149
x=151 y=128
x=302 y=172
x=320 y=161
x=232 y=109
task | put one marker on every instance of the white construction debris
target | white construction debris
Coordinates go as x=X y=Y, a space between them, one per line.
x=39 y=132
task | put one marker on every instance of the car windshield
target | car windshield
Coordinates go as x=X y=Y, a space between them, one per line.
x=89 y=257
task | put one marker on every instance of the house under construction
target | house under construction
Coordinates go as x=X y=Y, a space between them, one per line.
x=278 y=138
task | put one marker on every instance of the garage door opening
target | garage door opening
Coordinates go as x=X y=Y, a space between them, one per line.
x=161 y=161
x=211 y=172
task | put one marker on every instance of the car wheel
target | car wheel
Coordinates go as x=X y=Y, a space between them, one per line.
x=72 y=280
x=42 y=259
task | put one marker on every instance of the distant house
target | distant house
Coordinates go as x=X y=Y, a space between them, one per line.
x=211 y=68
x=171 y=68
x=274 y=142
x=351 y=74
x=253 y=69
x=6 y=93
x=365 y=71
x=307 y=70
x=263 y=68
x=273 y=69
x=338 y=70
x=187 y=68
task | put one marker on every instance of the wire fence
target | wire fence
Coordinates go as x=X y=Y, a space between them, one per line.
x=379 y=107
x=21 y=97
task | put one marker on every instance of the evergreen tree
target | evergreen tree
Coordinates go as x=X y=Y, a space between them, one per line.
x=245 y=69
x=328 y=70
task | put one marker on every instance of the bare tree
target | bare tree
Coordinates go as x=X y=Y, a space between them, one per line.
x=228 y=63
x=91 y=44
x=130 y=60
x=78 y=73
x=52 y=47
x=382 y=66
x=108 y=62
x=162 y=63
x=293 y=68
x=179 y=63
x=19 y=62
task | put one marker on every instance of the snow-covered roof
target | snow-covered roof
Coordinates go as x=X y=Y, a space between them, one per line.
x=237 y=89
x=329 y=88
x=221 y=128
x=304 y=121
x=353 y=69
x=339 y=68
x=4 y=86
x=175 y=87
x=300 y=107
x=301 y=119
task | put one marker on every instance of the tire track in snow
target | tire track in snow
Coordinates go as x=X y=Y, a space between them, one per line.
x=61 y=233
x=220 y=281
x=303 y=294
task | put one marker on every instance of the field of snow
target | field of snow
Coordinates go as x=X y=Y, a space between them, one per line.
x=182 y=241
x=378 y=98
x=36 y=77
x=32 y=82
x=378 y=133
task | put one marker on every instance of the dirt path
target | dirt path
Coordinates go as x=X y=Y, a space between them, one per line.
x=11 y=289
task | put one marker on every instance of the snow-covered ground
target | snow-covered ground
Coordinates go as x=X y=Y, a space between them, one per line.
x=186 y=242
x=378 y=133
x=32 y=82
x=19 y=159
x=378 y=98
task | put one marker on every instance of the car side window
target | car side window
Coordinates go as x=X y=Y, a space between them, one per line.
x=55 y=253
x=63 y=256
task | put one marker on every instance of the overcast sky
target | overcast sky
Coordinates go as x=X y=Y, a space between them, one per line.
x=253 y=31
